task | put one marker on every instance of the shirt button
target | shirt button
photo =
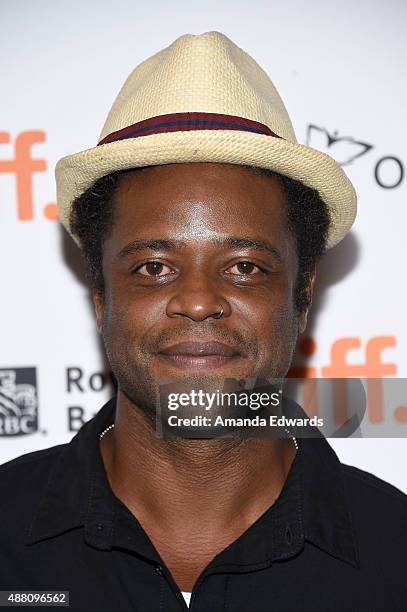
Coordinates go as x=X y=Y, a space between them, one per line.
x=159 y=570
x=99 y=527
x=288 y=535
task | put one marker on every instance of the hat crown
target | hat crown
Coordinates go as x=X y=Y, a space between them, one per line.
x=200 y=73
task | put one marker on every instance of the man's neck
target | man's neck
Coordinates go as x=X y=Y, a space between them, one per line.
x=173 y=486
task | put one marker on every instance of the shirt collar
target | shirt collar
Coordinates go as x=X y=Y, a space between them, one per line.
x=311 y=506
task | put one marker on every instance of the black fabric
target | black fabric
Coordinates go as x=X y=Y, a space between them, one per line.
x=334 y=540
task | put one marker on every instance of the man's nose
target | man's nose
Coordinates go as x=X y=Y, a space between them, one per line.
x=198 y=298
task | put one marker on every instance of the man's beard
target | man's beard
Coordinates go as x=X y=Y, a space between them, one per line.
x=148 y=391
x=150 y=395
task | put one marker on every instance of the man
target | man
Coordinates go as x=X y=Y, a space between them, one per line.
x=201 y=221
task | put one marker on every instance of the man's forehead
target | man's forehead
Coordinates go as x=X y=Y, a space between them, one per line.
x=199 y=195
x=196 y=169
x=199 y=198
x=218 y=216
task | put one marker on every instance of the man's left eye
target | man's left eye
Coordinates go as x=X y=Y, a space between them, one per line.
x=244 y=268
x=153 y=269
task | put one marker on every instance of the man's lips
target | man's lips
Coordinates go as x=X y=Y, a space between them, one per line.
x=199 y=354
x=198 y=349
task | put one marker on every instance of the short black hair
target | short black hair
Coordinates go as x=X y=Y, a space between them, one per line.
x=308 y=219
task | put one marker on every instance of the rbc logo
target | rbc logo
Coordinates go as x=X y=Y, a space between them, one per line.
x=18 y=401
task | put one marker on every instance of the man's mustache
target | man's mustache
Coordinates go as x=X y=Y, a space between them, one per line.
x=233 y=338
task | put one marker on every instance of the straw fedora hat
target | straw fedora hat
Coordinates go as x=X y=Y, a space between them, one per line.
x=204 y=99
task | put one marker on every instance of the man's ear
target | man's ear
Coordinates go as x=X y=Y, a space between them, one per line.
x=99 y=304
x=308 y=292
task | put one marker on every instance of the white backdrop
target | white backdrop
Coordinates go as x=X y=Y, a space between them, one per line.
x=340 y=69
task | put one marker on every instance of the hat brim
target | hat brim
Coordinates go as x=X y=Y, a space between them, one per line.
x=76 y=173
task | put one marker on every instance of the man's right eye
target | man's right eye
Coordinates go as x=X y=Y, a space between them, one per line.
x=153 y=269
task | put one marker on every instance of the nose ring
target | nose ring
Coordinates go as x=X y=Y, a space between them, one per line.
x=218 y=315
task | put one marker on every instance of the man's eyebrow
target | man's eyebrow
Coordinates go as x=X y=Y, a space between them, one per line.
x=251 y=243
x=156 y=244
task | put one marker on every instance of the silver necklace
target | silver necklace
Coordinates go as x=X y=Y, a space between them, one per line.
x=106 y=430
x=112 y=425
x=292 y=438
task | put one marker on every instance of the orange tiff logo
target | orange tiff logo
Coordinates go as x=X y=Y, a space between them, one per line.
x=23 y=166
x=371 y=367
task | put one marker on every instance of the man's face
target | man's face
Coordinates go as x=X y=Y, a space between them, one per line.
x=188 y=239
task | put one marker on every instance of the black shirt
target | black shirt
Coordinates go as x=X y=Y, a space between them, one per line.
x=334 y=540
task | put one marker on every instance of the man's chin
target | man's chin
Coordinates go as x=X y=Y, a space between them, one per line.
x=202 y=407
